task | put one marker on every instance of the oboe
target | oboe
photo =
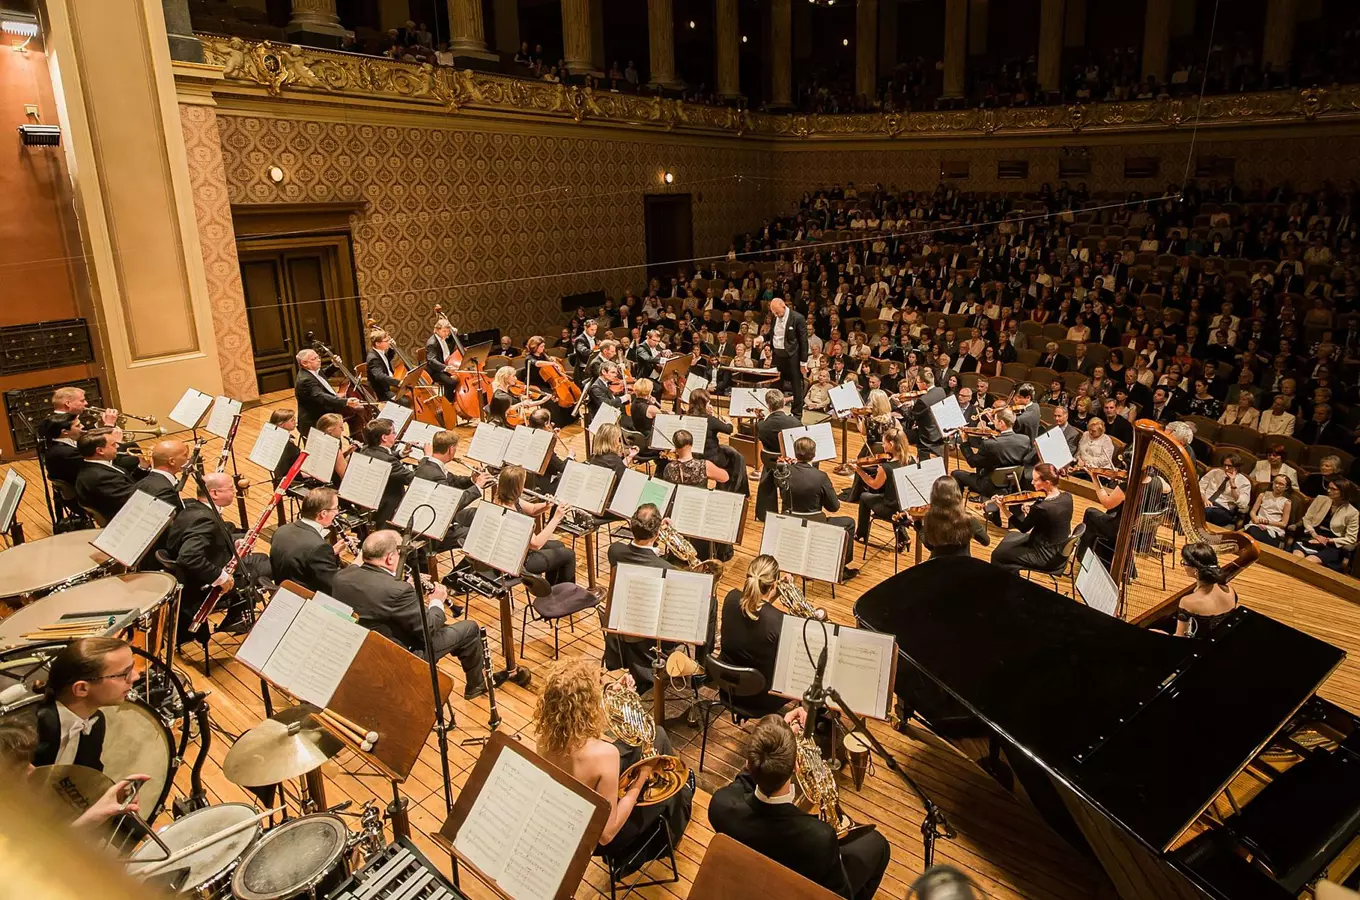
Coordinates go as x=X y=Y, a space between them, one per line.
x=494 y=722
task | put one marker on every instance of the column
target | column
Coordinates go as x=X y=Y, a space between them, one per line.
x=977 y=26
x=577 y=40
x=125 y=148
x=661 y=41
x=781 y=54
x=507 y=26
x=315 y=23
x=466 y=29
x=887 y=36
x=955 y=47
x=866 y=49
x=1281 y=16
x=1156 y=38
x=1074 y=29
x=1050 y=45
x=728 y=29
x=183 y=45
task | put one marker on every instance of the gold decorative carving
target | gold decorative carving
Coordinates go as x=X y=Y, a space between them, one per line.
x=285 y=68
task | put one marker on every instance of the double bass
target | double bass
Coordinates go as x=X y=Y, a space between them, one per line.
x=423 y=387
x=354 y=388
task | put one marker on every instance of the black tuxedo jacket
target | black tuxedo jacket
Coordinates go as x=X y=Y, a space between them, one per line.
x=581 y=353
x=781 y=831
x=810 y=490
x=435 y=361
x=1056 y=361
x=432 y=470
x=313 y=400
x=63 y=463
x=396 y=483
x=90 y=751
x=1006 y=449
x=599 y=395
x=645 y=359
x=299 y=552
x=378 y=367
x=104 y=489
x=161 y=488
x=386 y=604
x=201 y=544
x=795 y=335
x=927 y=429
x=768 y=432
x=1027 y=422
x=626 y=552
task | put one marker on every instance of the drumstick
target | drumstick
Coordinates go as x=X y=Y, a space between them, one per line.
x=365 y=739
x=162 y=864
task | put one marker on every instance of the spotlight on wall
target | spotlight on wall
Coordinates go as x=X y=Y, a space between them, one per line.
x=19 y=25
x=845 y=42
x=743 y=38
x=669 y=178
x=276 y=174
x=40 y=135
x=691 y=23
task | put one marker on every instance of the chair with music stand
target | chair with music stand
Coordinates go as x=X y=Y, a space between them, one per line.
x=552 y=603
x=167 y=562
x=1064 y=564
x=733 y=683
x=620 y=869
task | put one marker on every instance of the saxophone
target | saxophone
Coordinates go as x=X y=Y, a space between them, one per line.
x=631 y=721
x=677 y=545
x=818 y=785
x=796 y=602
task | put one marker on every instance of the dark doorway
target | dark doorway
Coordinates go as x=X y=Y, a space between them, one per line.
x=670 y=233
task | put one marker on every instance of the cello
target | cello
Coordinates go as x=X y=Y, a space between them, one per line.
x=470 y=387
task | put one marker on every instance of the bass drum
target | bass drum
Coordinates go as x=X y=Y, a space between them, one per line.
x=209 y=870
x=305 y=858
x=147 y=734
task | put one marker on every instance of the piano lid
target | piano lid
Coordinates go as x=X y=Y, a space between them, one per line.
x=1148 y=727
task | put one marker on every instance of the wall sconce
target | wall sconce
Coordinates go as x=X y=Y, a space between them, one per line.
x=669 y=178
x=19 y=25
x=275 y=174
x=36 y=134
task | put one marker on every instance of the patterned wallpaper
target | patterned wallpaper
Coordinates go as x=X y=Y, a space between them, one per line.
x=460 y=217
x=212 y=209
x=1305 y=161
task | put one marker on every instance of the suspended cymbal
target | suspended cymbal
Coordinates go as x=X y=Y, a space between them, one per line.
x=289 y=745
x=76 y=787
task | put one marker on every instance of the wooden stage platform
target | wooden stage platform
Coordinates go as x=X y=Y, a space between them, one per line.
x=1006 y=849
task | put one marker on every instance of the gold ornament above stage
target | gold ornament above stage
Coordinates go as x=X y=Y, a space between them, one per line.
x=290 y=68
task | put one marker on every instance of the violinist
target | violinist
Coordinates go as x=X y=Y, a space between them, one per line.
x=609 y=451
x=878 y=422
x=1040 y=529
x=438 y=349
x=879 y=499
x=610 y=388
x=1005 y=450
x=647 y=355
x=314 y=394
x=810 y=492
x=642 y=410
x=378 y=365
x=583 y=349
x=608 y=352
x=700 y=404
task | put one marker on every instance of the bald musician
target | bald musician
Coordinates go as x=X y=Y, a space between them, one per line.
x=162 y=482
x=201 y=543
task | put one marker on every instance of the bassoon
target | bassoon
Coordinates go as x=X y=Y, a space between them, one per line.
x=215 y=593
x=242 y=484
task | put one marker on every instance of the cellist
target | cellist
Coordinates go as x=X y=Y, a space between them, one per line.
x=379 y=367
x=542 y=370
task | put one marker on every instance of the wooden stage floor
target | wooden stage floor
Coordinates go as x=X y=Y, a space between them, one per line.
x=1005 y=848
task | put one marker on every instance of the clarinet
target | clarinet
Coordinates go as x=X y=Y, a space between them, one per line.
x=495 y=720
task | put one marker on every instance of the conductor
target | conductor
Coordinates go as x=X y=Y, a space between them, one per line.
x=789 y=338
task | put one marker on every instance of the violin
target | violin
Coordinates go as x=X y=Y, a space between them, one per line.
x=1021 y=497
x=873 y=459
x=1116 y=475
x=914 y=513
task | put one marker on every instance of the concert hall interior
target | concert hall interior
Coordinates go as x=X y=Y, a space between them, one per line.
x=694 y=448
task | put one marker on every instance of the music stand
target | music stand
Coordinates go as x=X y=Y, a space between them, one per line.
x=732 y=871
x=560 y=782
x=677 y=366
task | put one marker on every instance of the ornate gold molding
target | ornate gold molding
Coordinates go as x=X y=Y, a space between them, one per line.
x=283 y=69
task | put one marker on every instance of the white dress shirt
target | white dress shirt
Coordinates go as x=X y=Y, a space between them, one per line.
x=73 y=728
x=777 y=333
x=321 y=378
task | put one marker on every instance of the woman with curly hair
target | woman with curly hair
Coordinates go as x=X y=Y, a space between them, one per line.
x=570 y=722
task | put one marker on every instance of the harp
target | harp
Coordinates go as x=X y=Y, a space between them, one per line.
x=1163 y=505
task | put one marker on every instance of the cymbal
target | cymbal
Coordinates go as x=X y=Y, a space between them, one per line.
x=289 y=745
x=75 y=787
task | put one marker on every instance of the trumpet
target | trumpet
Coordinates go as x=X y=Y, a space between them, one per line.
x=796 y=602
x=98 y=412
x=138 y=433
x=632 y=723
x=677 y=545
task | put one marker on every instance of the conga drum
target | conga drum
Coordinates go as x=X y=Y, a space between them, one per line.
x=857 y=749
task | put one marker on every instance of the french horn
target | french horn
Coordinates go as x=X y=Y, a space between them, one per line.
x=677 y=545
x=796 y=602
x=631 y=722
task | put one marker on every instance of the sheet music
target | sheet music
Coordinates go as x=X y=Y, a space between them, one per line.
x=1096 y=585
x=10 y=494
x=605 y=415
x=269 y=447
x=914 y=482
x=948 y=415
x=685 y=603
x=422 y=491
x=666 y=424
x=489 y=443
x=395 y=413
x=746 y=402
x=523 y=829
x=269 y=629
x=499 y=537
x=529 y=447
x=420 y=434
x=785 y=539
x=314 y=654
x=693 y=382
x=585 y=486
x=326 y=601
x=846 y=397
x=1054 y=449
x=860 y=669
x=820 y=433
x=322 y=449
x=811 y=549
x=480 y=542
x=190 y=408
x=825 y=551
x=224 y=410
x=793 y=671
x=635 y=604
x=635 y=489
x=134 y=528
x=712 y=515
x=365 y=480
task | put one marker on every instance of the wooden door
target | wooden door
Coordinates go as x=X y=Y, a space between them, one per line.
x=292 y=297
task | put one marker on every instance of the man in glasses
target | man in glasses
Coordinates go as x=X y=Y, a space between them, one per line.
x=301 y=550
x=88 y=674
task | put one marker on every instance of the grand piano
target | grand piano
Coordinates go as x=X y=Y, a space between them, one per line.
x=1192 y=768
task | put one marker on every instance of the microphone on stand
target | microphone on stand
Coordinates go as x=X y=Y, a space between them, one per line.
x=814 y=698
